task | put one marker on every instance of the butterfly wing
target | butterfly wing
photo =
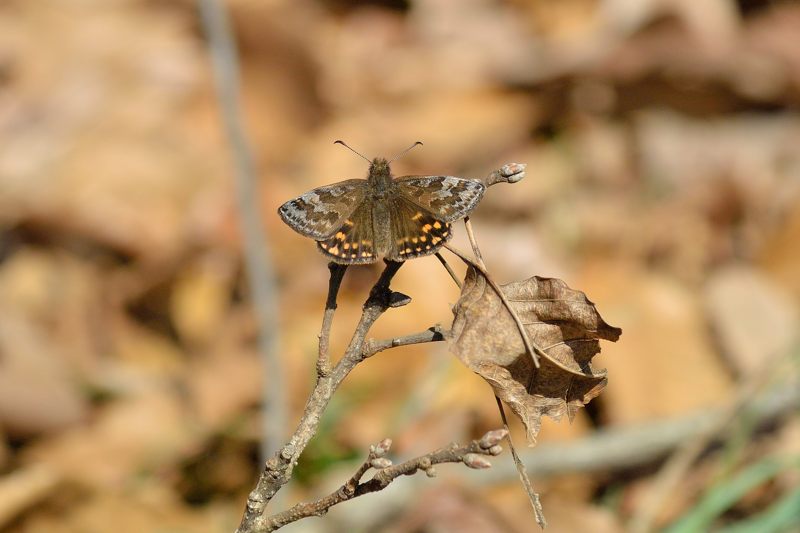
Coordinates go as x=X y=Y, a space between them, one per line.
x=415 y=231
x=321 y=212
x=353 y=242
x=448 y=198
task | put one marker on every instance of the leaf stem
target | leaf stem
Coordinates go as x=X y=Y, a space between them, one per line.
x=449 y=269
x=533 y=496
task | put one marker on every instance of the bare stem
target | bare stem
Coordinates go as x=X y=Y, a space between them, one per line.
x=432 y=334
x=533 y=496
x=449 y=269
x=470 y=455
x=279 y=467
x=473 y=242
x=323 y=359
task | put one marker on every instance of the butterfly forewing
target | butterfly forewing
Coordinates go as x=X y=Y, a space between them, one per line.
x=446 y=197
x=354 y=241
x=359 y=221
x=415 y=231
x=320 y=213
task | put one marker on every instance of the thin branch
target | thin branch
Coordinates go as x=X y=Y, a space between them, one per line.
x=473 y=242
x=432 y=334
x=449 y=269
x=612 y=449
x=533 y=496
x=323 y=359
x=522 y=471
x=260 y=274
x=278 y=469
x=471 y=455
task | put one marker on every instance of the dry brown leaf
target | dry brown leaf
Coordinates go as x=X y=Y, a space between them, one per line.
x=561 y=321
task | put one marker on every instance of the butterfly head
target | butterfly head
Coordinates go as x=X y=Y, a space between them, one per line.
x=380 y=175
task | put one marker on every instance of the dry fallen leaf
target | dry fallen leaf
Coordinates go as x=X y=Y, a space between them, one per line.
x=561 y=321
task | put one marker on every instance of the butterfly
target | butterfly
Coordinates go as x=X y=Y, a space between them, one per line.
x=359 y=221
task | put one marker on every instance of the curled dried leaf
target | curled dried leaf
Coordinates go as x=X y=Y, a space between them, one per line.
x=560 y=320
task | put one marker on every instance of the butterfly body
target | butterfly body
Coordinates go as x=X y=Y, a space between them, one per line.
x=360 y=221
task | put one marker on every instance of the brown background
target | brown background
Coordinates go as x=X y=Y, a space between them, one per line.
x=661 y=138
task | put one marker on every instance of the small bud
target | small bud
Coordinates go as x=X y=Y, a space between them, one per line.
x=425 y=463
x=380 y=449
x=510 y=173
x=478 y=462
x=496 y=450
x=430 y=472
x=492 y=437
x=513 y=172
x=379 y=463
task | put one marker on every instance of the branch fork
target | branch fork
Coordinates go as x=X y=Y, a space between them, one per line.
x=278 y=468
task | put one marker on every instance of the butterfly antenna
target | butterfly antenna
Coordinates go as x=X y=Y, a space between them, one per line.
x=401 y=154
x=358 y=154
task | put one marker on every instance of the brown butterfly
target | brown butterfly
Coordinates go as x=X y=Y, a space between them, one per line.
x=359 y=221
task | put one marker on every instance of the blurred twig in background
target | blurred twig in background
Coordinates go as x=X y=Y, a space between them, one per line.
x=260 y=276
x=674 y=470
x=630 y=447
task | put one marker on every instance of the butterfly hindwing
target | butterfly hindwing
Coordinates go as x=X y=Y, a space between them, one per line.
x=415 y=231
x=446 y=197
x=354 y=241
x=319 y=213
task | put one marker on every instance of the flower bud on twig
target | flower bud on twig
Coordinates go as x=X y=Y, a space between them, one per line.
x=491 y=438
x=380 y=449
x=379 y=463
x=478 y=462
